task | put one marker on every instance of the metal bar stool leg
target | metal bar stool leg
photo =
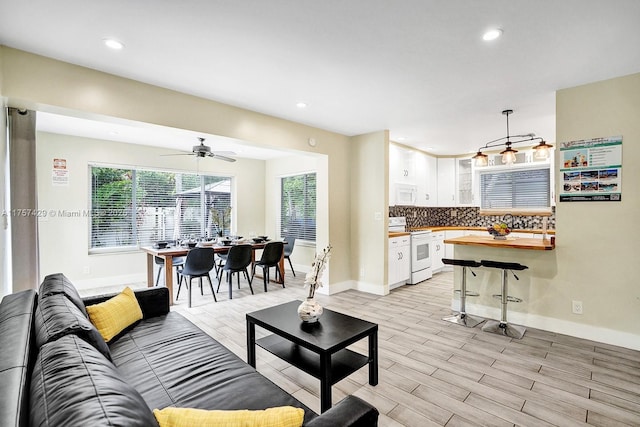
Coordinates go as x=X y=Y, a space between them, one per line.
x=462 y=318
x=503 y=327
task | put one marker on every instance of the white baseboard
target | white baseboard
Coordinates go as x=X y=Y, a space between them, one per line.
x=109 y=281
x=566 y=327
x=335 y=288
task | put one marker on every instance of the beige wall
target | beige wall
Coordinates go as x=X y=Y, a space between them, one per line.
x=369 y=211
x=44 y=84
x=5 y=277
x=64 y=241
x=598 y=252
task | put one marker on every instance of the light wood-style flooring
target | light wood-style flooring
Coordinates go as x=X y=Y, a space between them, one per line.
x=435 y=373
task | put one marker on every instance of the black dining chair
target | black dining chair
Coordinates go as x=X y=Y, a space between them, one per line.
x=198 y=264
x=178 y=263
x=238 y=259
x=271 y=256
x=288 y=248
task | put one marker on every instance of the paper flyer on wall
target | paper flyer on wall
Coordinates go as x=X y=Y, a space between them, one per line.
x=591 y=170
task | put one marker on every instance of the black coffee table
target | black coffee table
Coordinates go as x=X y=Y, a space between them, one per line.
x=318 y=349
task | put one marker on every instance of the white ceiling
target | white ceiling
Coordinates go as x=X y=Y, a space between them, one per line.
x=416 y=67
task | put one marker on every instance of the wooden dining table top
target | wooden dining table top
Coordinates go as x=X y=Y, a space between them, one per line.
x=183 y=250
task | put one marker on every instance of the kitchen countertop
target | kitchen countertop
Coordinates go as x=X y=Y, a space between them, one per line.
x=460 y=227
x=399 y=234
x=510 y=243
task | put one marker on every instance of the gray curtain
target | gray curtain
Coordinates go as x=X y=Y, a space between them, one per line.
x=23 y=220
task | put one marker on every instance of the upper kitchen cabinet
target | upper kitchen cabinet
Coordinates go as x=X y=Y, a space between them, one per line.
x=446 y=181
x=402 y=166
x=455 y=182
x=412 y=177
x=464 y=182
x=426 y=179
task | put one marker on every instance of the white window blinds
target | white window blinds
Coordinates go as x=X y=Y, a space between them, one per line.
x=298 y=207
x=133 y=206
x=525 y=189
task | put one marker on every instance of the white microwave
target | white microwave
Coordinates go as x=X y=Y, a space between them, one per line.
x=406 y=194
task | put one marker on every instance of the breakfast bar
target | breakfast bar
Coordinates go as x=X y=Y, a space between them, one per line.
x=509 y=242
x=535 y=258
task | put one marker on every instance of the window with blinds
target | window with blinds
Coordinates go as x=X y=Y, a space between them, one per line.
x=524 y=189
x=132 y=207
x=298 y=207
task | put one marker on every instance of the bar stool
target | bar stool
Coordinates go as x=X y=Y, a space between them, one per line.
x=502 y=327
x=462 y=318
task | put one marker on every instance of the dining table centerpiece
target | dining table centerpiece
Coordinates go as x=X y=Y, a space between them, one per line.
x=310 y=311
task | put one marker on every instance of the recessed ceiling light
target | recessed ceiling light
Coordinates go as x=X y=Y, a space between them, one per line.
x=301 y=105
x=492 y=34
x=113 y=44
x=401 y=138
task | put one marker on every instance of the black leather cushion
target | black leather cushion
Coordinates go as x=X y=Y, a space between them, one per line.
x=58 y=283
x=74 y=385
x=170 y=361
x=16 y=356
x=56 y=316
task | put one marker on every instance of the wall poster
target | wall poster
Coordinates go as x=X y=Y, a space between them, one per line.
x=591 y=170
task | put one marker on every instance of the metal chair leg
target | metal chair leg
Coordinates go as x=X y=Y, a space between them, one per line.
x=159 y=271
x=211 y=286
x=502 y=327
x=462 y=318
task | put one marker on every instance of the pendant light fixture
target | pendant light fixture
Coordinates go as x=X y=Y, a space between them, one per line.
x=509 y=154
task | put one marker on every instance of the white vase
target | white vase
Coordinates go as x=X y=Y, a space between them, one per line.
x=310 y=311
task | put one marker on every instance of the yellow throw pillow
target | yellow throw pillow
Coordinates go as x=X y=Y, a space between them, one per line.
x=282 y=416
x=112 y=316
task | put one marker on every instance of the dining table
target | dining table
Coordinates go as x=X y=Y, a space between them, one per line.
x=170 y=252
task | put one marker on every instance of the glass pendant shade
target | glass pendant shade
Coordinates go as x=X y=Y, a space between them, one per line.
x=509 y=155
x=542 y=150
x=481 y=159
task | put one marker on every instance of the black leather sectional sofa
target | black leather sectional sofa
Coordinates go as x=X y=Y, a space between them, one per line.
x=56 y=371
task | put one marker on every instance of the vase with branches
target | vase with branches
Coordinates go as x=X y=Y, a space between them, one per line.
x=310 y=311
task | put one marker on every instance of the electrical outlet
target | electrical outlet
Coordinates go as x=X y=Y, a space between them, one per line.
x=86 y=270
x=576 y=307
x=362 y=272
x=454 y=213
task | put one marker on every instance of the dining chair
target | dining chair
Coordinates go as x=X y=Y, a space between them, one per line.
x=288 y=248
x=198 y=264
x=178 y=263
x=238 y=259
x=271 y=256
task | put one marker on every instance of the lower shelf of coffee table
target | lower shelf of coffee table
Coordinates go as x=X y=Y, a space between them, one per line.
x=343 y=362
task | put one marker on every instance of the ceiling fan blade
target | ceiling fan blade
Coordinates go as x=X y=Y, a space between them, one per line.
x=178 y=154
x=218 y=156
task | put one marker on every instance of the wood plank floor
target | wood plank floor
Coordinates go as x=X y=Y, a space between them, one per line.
x=434 y=373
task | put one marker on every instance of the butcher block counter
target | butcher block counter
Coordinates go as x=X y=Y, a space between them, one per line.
x=509 y=243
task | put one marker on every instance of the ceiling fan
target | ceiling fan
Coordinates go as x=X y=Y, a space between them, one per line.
x=205 y=151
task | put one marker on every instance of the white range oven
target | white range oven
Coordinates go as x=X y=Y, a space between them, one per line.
x=420 y=256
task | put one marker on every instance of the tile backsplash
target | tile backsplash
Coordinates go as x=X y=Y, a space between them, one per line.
x=464 y=217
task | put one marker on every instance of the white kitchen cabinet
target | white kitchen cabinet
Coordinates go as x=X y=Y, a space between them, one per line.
x=446 y=181
x=437 y=251
x=426 y=179
x=464 y=182
x=399 y=262
x=402 y=166
x=402 y=176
